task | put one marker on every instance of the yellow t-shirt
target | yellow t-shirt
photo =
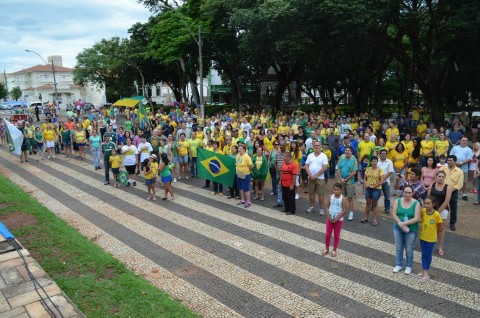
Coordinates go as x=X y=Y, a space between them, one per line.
x=328 y=153
x=441 y=147
x=421 y=130
x=154 y=166
x=365 y=148
x=243 y=164
x=283 y=130
x=227 y=149
x=49 y=135
x=200 y=136
x=427 y=146
x=150 y=175
x=114 y=161
x=391 y=131
x=415 y=115
x=398 y=159
x=258 y=162
x=297 y=159
x=80 y=136
x=408 y=146
x=373 y=176
x=390 y=146
x=182 y=149
x=428 y=225
x=268 y=142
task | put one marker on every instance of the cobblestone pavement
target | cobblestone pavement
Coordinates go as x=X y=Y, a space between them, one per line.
x=222 y=260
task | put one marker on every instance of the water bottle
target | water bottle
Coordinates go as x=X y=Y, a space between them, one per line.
x=405 y=219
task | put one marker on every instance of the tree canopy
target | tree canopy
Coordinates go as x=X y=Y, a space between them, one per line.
x=371 y=51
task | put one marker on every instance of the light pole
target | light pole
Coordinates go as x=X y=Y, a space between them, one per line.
x=200 y=56
x=54 y=77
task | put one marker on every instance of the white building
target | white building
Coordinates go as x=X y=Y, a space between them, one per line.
x=37 y=83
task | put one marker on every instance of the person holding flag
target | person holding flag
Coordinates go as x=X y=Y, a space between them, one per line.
x=15 y=140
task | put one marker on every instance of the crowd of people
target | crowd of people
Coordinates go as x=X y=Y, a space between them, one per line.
x=423 y=168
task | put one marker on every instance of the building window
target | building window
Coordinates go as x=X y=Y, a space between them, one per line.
x=158 y=91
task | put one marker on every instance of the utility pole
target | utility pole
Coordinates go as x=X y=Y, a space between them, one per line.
x=55 y=84
x=200 y=70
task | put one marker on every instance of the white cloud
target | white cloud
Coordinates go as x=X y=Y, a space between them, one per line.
x=61 y=28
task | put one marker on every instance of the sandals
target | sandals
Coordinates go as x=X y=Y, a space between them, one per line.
x=364 y=221
x=333 y=254
x=325 y=252
x=374 y=223
x=165 y=198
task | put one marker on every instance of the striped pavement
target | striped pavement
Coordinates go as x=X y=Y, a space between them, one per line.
x=226 y=261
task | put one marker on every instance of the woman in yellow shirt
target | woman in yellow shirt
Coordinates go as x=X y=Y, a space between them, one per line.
x=441 y=146
x=80 y=138
x=399 y=159
x=415 y=155
x=244 y=166
x=427 y=148
x=408 y=143
x=49 y=140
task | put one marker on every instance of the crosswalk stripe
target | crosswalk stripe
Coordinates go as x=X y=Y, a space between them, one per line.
x=333 y=282
x=284 y=300
x=439 y=289
x=446 y=265
x=176 y=287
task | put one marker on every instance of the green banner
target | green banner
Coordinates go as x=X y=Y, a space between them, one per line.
x=215 y=167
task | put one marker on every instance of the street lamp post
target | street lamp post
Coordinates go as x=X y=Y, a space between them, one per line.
x=54 y=77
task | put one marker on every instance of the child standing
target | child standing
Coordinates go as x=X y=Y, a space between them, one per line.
x=337 y=207
x=430 y=225
x=149 y=173
x=115 y=164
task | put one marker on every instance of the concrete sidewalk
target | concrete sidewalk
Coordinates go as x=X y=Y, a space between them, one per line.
x=18 y=296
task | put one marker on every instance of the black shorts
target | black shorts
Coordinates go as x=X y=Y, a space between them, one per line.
x=131 y=169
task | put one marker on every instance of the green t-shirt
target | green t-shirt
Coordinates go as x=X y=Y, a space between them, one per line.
x=407 y=214
x=112 y=134
x=128 y=125
x=155 y=142
x=194 y=144
x=107 y=148
x=66 y=135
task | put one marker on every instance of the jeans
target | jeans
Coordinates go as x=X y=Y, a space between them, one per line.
x=96 y=154
x=273 y=177
x=453 y=207
x=193 y=166
x=403 y=241
x=279 y=193
x=336 y=228
x=106 y=166
x=427 y=251
x=386 y=195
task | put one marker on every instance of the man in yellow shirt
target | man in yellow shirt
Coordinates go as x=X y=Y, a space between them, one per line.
x=454 y=179
x=390 y=145
x=392 y=130
x=421 y=129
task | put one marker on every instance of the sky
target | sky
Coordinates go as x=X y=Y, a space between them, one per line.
x=60 y=28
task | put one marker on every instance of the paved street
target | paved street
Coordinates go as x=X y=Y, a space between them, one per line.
x=227 y=261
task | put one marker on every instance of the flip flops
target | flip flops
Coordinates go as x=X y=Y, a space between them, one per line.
x=364 y=221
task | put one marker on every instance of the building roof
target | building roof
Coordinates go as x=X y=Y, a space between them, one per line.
x=44 y=68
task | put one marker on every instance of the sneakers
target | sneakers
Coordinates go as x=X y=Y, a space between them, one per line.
x=247 y=205
x=408 y=270
x=351 y=216
x=310 y=209
x=214 y=193
x=297 y=196
x=396 y=269
x=174 y=180
x=322 y=211
x=272 y=193
x=134 y=183
x=241 y=203
x=465 y=198
x=186 y=177
x=220 y=193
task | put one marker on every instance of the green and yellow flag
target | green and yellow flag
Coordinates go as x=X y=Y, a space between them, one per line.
x=142 y=117
x=215 y=167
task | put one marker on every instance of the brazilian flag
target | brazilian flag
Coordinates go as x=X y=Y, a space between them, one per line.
x=123 y=177
x=215 y=167
x=142 y=117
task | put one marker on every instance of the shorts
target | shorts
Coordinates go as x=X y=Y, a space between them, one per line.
x=83 y=144
x=166 y=179
x=327 y=173
x=465 y=177
x=244 y=184
x=24 y=147
x=131 y=169
x=317 y=186
x=175 y=160
x=66 y=143
x=444 y=214
x=39 y=146
x=304 y=175
x=373 y=194
x=49 y=144
x=349 y=190
x=150 y=182
x=182 y=159
x=115 y=170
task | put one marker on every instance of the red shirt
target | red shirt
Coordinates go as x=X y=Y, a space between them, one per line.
x=70 y=125
x=288 y=172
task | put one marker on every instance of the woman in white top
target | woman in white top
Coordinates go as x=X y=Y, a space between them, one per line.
x=337 y=207
x=130 y=152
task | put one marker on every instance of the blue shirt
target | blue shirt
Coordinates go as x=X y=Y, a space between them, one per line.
x=95 y=141
x=462 y=154
x=455 y=136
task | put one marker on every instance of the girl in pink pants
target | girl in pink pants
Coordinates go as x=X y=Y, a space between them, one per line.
x=337 y=207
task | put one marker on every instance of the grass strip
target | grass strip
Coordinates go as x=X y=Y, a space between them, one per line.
x=99 y=284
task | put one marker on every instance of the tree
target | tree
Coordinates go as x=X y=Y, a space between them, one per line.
x=16 y=93
x=3 y=92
